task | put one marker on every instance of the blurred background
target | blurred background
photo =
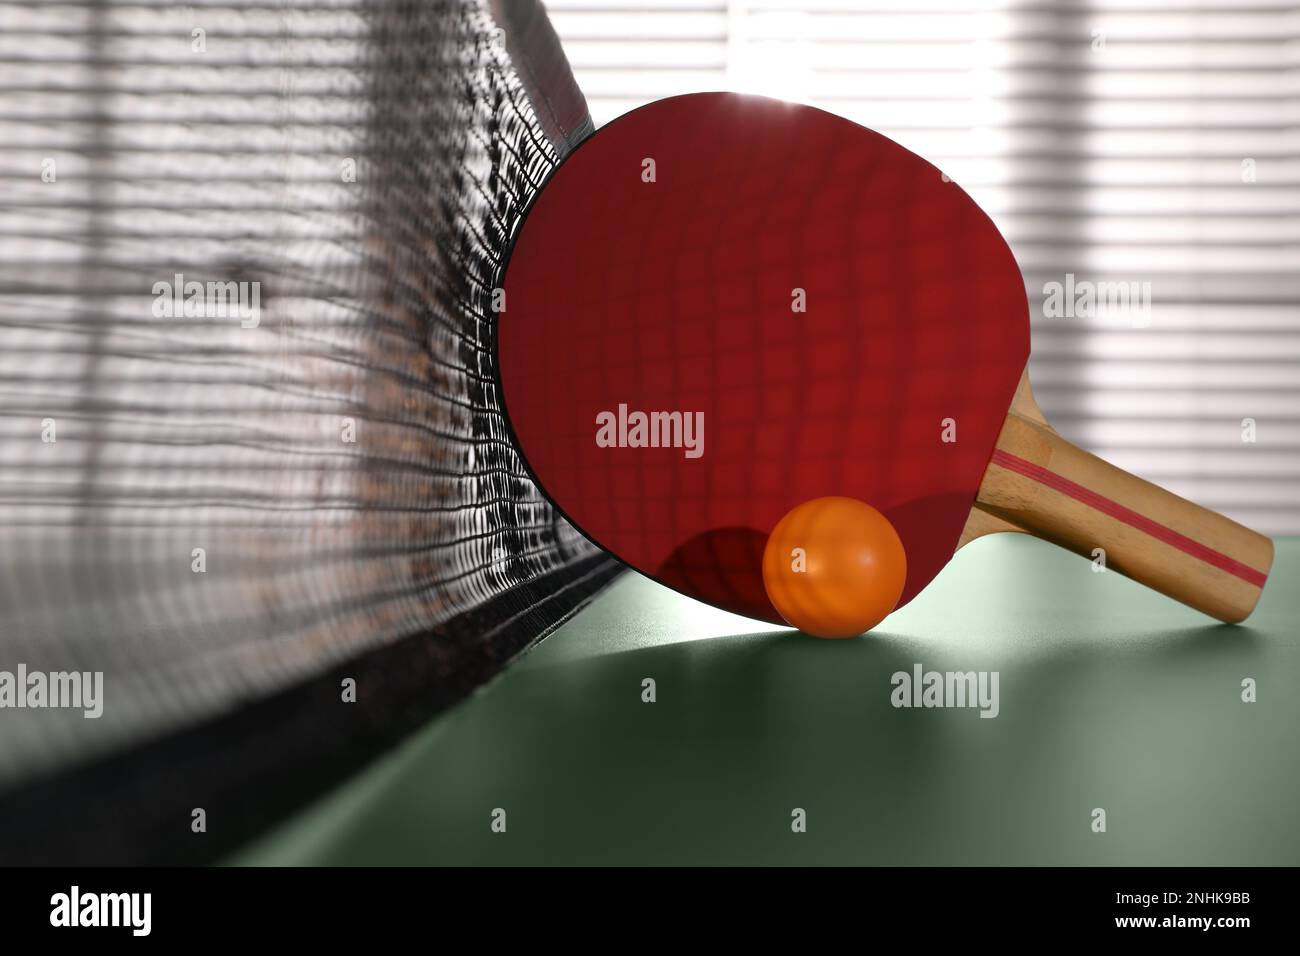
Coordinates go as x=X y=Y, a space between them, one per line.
x=1137 y=141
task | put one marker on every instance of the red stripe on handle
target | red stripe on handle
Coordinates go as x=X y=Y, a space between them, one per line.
x=1117 y=511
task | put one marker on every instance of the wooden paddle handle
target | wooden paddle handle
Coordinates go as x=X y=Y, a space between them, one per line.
x=1040 y=482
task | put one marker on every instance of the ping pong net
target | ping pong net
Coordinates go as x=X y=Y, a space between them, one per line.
x=250 y=445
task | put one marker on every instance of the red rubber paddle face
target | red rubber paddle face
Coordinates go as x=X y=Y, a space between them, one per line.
x=721 y=306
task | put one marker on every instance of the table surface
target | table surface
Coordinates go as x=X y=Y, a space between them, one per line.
x=1111 y=697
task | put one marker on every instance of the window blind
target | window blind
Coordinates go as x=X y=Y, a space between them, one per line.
x=1149 y=147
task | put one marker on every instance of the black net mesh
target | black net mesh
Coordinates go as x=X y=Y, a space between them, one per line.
x=214 y=492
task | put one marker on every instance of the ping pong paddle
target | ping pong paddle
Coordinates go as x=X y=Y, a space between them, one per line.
x=720 y=306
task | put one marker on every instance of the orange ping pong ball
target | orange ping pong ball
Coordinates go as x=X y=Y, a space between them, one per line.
x=834 y=567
